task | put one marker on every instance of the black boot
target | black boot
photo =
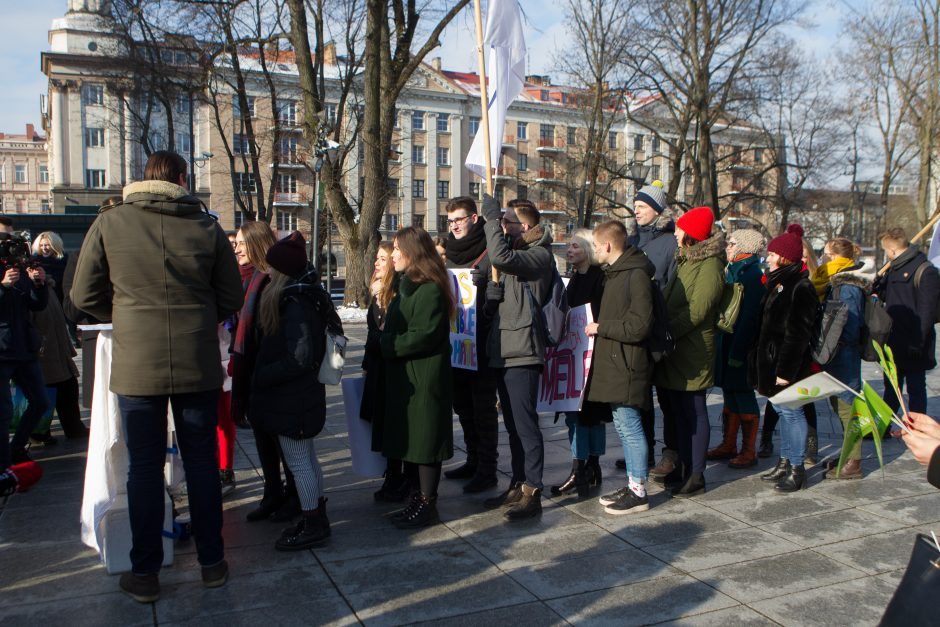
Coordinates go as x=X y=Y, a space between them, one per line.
x=695 y=484
x=462 y=472
x=288 y=511
x=529 y=506
x=393 y=490
x=312 y=530
x=265 y=509
x=594 y=475
x=511 y=496
x=794 y=480
x=766 y=445
x=422 y=513
x=676 y=478
x=779 y=471
x=574 y=479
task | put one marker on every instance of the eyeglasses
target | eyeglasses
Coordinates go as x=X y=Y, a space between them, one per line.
x=730 y=244
x=457 y=220
x=505 y=221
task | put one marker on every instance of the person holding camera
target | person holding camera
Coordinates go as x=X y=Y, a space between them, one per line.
x=22 y=289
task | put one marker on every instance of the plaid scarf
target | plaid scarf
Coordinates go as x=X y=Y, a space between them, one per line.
x=246 y=317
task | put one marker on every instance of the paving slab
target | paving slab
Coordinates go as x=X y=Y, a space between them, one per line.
x=782 y=507
x=820 y=529
x=693 y=552
x=525 y=615
x=737 y=616
x=857 y=602
x=915 y=510
x=874 y=554
x=332 y=612
x=93 y=610
x=647 y=531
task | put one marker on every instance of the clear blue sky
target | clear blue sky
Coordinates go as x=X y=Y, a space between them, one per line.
x=26 y=35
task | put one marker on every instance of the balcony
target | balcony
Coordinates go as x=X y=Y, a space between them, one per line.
x=509 y=141
x=504 y=174
x=290 y=160
x=547 y=176
x=551 y=145
x=290 y=199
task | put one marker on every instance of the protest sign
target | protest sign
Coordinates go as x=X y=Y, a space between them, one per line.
x=567 y=365
x=463 y=326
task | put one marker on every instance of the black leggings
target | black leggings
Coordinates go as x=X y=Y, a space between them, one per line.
x=771 y=417
x=271 y=459
x=427 y=476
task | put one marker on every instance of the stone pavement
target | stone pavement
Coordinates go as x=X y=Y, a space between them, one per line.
x=738 y=554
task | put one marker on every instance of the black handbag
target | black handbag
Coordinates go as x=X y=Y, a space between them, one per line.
x=914 y=602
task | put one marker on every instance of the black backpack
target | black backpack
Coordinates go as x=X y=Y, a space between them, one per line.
x=660 y=342
x=876 y=327
x=551 y=319
x=918 y=274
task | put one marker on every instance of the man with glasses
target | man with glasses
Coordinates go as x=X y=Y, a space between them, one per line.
x=474 y=391
x=520 y=250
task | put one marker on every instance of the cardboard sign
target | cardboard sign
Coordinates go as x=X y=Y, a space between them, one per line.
x=463 y=326
x=567 y=366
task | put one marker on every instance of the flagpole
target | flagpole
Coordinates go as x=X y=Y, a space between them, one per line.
x=916 y=238
x=484 y=106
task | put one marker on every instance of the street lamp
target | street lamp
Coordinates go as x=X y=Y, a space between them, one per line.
x=638 y=173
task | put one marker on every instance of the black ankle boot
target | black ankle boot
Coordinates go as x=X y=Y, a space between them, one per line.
x=779 y=471
x=575 y=481
x=676 y=478
x=393 y=490
x=794 y=480
x=695 y=484
x=265 y=509
x=766 y=445
x=422 y=512
x=466 y=471
x=312 y=530
x=594 y=475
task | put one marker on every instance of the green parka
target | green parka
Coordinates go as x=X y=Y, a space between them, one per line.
x=692 y=300
x=415 y=341
x=621 y=367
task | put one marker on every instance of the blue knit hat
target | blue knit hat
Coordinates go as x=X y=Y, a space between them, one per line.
x=653 y=195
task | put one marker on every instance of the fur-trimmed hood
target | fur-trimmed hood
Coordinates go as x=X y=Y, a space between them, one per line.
x=714 y=246
x=851 y=276
x=161 y=197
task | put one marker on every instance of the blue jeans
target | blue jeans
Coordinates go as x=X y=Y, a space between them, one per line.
x=629 y=427
x=27 y=375
x=585 y=441
x=793 y=430
x=196 y=417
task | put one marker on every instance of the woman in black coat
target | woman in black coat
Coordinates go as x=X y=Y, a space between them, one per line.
x=287 y=399
x=782 y=355
x=587 y=433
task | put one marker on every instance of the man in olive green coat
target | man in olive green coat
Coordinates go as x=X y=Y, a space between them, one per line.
x=174 y=278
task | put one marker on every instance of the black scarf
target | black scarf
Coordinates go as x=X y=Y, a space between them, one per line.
x=464 y=251
x=783 y=273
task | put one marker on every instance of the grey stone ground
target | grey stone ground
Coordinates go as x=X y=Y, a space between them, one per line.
x=738 y=554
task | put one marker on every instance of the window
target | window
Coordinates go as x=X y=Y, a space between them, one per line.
x=19 y=174
x=287 y=113
x=546 y=132
x=237 y=111
x=475 y=190
x=417 y=188
x=522 y=162
x=548 y=166
x=543 y=95
x=417 y=220
x=417 y=154
x=474 y=125
x=443 y=123
x=656 y=172
x=572 y=136
x=288 y=153
x=546 y=195
x=417 y=120
x=522 y=130
x=241 y=145
x=239 y=218
x=286 y=220
x=612 y=140
x=43 y=174
x=656 y=145
x=330 y=110
x=396 y=153
x=287 y=183
x=391 y=222
x=94 y=179
x=758 y=155
x=183 y=144
x=245 y=183
x=638 y=142
x=392 y=188
x=156 y=140
x=44 y=206
x=442 y=226
x=93 y=94
x=94 y=137
x=443 y=189
x=443 y=156
x=182 y=103
x=522 y=192
x=498 y=194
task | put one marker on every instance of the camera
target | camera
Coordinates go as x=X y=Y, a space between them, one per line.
x=15 y=251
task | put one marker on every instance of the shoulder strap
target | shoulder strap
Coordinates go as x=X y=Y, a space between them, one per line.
x=478 y=259
x=919 y=273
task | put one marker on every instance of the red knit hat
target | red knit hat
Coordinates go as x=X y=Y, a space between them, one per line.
x=788 y=245
x=697 y=223
x=289 y=255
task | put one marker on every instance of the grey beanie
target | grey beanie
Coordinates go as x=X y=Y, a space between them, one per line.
x=748 y=241
x=653 y=195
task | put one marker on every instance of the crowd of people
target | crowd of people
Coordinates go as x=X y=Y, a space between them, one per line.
x=229 y=331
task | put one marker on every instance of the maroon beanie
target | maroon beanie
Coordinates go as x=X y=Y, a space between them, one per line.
x=697 y=223
x=289 y=255
x=788 y=245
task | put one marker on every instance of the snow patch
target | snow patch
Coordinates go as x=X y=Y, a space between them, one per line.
x=352 y=314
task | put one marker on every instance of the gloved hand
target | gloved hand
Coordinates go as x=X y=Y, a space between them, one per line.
x=494 y=292
x=491 y=209
x=479 y=277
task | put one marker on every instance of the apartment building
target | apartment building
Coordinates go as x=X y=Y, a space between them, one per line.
x=24 y=173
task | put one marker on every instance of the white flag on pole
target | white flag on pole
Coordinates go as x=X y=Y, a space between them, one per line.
x=506 y=76
x=933 y=254
x=813 y=388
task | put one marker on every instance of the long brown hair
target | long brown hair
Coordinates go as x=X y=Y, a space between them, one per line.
x=269 y=311
x=258 y=239
x=425 y=265
x=387 y=289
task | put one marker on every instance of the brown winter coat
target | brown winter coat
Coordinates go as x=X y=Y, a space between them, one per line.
x=174 y=278
x=55 y=356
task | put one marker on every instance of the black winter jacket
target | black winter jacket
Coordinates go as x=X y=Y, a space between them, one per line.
x=912 y=311
x=19 y=339
x=286 y=397
x=658 y=241
x=787 y=319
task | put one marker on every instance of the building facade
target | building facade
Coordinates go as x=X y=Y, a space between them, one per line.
x=24 y=173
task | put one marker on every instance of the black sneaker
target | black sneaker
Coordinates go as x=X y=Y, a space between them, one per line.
x=613 y=497
x=141 y=588
x=629 y=503
x=216 y=575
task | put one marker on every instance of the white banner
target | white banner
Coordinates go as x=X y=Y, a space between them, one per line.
x=463 y=326
x=813 y=388
x=567 y=366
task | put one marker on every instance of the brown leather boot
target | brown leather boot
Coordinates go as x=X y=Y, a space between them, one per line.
x=851 y=470
x=729 y=443
x=750 y=425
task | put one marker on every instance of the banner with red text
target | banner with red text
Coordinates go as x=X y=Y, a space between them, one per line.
x=567 y=366
x=463 y=326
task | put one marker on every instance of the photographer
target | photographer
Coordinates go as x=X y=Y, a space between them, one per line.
x=22 y=289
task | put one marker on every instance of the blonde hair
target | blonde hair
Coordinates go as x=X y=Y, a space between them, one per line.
x=844 y=248
x=810 y=255
x=58 y=248
x=387 y=289
x=585 y=239
x=269 y=311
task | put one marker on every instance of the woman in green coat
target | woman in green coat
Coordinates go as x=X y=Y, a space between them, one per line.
x=683 y=378
x=415 y=344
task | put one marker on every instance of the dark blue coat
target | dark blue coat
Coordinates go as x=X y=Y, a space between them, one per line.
x=850 y=287
x=19 y=339
x=658 y=241
x=731 y=366
x=912 y=339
